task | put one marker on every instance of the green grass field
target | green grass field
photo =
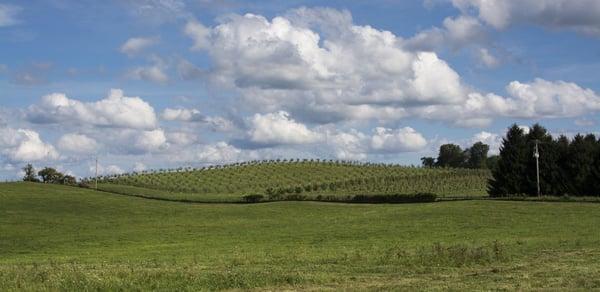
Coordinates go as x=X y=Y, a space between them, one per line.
x=310 y=179
x=64 y=238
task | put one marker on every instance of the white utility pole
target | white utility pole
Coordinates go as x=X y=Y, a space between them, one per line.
x=96 y=172
x=536 y=154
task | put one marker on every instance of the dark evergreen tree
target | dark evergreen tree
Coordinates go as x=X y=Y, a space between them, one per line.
x=562 y=181
x=507 y=176
x=595 y=175
x=547 y=162
x=565 y=167
x=492 y=161
x=579 y=163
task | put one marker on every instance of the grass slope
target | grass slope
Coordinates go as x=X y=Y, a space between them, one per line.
x=62 y=238
x=310 y=179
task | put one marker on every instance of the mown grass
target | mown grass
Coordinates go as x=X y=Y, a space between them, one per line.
x=63 y=238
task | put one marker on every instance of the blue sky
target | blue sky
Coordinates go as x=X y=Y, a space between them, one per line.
x=165 y=83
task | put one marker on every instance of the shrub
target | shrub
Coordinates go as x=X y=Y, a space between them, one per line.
x=252 y=198
x=396 y=198
x=270 y=191
x=295 y=197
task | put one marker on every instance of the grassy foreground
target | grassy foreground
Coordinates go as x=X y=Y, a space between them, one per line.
x=55 y=237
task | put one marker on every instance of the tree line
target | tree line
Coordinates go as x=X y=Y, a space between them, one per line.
x=451 y=155
x=566 y=166
x=47 y=175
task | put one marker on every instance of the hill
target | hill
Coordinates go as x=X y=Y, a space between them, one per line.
x=64 y=238
x=307 y=179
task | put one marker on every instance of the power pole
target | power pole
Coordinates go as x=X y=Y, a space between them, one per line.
x=536 y=154
x=96 y=172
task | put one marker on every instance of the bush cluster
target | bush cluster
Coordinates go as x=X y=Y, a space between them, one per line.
x=252 y=198
x=396 y=198
x=392 y=198
x=47 y=175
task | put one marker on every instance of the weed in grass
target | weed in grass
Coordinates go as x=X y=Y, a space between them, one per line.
x=460 y=255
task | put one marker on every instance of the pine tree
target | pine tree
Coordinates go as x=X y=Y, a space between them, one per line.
x=507 y=176
x=591 y=151
x=581 y=158
x=547 y=162
x=562 y=182
x=594 y=178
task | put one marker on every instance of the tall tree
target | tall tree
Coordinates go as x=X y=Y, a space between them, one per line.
x=29 y=173
x=507 y=176
x=450 y=155
x=595 y=174
x=50 y=175
x=492 y=161
x=477 y=155
x=561 y=180
x=580 y=161
x=548 y=168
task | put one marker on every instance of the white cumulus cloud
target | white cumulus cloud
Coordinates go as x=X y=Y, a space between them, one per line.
x=77 y=143
x=220 y=152
x=116 y=110
x=355 y=145
x=25 y=145
x=278 y=128
x=345 y=72
x=317 y=64
x=542 y=98
x=457 y=32
x=149 y=141
x=582 y=16
x=399 y=140
x=349 y=145
x=537 y=99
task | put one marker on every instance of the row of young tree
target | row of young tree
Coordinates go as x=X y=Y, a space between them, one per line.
x=47 y=175
x=451 y=155
x=566 y=166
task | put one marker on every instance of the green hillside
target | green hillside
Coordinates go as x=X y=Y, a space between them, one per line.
x=312 y=179
x=64 y=238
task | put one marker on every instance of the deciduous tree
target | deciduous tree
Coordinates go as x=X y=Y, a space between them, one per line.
x=29 y=173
